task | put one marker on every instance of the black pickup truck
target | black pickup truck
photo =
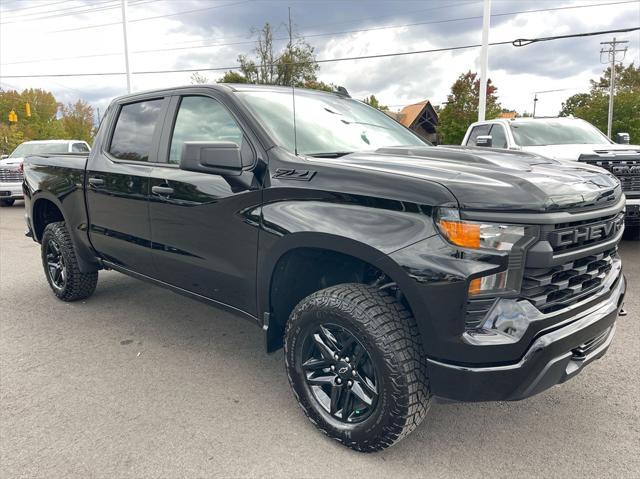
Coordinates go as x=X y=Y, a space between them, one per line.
x=390 y=271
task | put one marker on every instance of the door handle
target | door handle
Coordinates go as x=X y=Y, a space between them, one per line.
x=161 y=190
x=96 y=181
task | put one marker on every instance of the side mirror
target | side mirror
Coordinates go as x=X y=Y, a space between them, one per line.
x=215 y=157
x=484 y=140
x=622 y=138
x=2 y=157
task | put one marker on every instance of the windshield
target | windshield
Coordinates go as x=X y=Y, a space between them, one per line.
x=37 y=148
x=550 y=132
x=326 y=124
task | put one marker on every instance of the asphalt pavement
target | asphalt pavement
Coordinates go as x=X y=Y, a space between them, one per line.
x=137 y=381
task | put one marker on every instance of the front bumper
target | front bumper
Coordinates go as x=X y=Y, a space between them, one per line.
x=11 y=190
x=555 y=356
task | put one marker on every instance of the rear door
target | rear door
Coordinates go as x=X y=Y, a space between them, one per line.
x=204 y=230
x=118 y=184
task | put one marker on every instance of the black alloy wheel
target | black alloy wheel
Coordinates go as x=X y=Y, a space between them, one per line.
x=56 y=268
x=339 y=373
x=355 y=363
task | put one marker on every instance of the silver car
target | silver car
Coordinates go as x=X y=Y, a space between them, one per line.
x=11 y=165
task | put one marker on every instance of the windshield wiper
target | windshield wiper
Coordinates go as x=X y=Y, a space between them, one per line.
x=330 y=154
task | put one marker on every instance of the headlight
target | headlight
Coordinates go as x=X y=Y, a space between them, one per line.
x=492 y=238
x=470 y=234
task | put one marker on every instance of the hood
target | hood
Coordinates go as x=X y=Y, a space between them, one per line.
x=482 y=178
x=11 y=161
x=573 y=152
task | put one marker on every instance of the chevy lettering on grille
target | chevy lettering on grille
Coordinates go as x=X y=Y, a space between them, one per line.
x=586 y=232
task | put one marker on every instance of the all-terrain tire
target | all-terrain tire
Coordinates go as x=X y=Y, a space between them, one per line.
x=76 y=285
x=388 y=331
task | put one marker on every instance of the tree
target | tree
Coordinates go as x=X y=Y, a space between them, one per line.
x=373 y=101
x=78 y=121
x=594 y=106
x=462 y=108
x=199 y=79
x=294 y=65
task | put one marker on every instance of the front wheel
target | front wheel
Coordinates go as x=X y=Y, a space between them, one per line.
x=61 y=265
x=355 y=362
x=8 y=202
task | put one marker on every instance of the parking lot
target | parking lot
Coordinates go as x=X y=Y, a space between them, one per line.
x=140 y=382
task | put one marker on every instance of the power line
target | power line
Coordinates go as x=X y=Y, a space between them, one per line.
x=144 y=19
x=34 y=6
x=75 y=10
x=333 y=60
x=246 y=42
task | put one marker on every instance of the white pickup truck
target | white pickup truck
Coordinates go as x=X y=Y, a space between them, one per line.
x=11 y=165
x=568 y=138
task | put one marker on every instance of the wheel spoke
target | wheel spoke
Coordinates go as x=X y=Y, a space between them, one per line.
x=347 y=346
x=314 y=364
x=364 y=391
x=336 y=392
x=324 y=348
x=347 y=402
x=321 y=380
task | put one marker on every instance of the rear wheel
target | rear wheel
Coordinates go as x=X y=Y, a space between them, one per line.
x=355 y=363
x=61 y=265
x=7 y=202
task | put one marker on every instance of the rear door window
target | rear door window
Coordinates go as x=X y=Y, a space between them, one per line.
x=476 y=132
x=133 y=135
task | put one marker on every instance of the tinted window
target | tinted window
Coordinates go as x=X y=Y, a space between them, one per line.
x=132 y=137
x=476 y=132
x=202 y=119
x=498 y=137
x=79 y=148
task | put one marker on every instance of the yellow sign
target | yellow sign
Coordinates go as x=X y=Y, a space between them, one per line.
x=27 y=109
x=13 y=118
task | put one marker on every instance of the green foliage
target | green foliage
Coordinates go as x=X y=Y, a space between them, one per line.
x=292 y=66
x=48 y=120
x=462 y=108
x=373 y=101
x=594 y=106
x=78 y=121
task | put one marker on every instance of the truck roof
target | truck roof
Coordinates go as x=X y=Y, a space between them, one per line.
x=228 y=87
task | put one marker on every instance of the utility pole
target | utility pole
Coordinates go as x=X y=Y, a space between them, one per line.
x=611 y=52
x=484 y=60
x=535 y=102
x=126 y=44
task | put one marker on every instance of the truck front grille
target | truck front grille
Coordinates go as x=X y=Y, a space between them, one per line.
x=551 y=289
x=548 y=231
x=10 y=175
x=626 y=167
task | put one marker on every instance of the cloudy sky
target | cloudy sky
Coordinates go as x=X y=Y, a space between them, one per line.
x=45 y=37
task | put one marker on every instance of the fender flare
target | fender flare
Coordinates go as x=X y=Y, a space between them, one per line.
x=326 y=241
x=87 y=260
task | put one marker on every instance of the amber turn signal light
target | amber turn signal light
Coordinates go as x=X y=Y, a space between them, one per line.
x=466 y=235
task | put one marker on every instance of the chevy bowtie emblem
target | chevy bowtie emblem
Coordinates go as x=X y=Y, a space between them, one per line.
x=343 y=370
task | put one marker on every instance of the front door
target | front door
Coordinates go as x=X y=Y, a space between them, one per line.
x=118 y=186
x=204 y=231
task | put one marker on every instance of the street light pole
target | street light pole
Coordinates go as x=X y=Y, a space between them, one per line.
x=484 y=60
x=126 y=44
